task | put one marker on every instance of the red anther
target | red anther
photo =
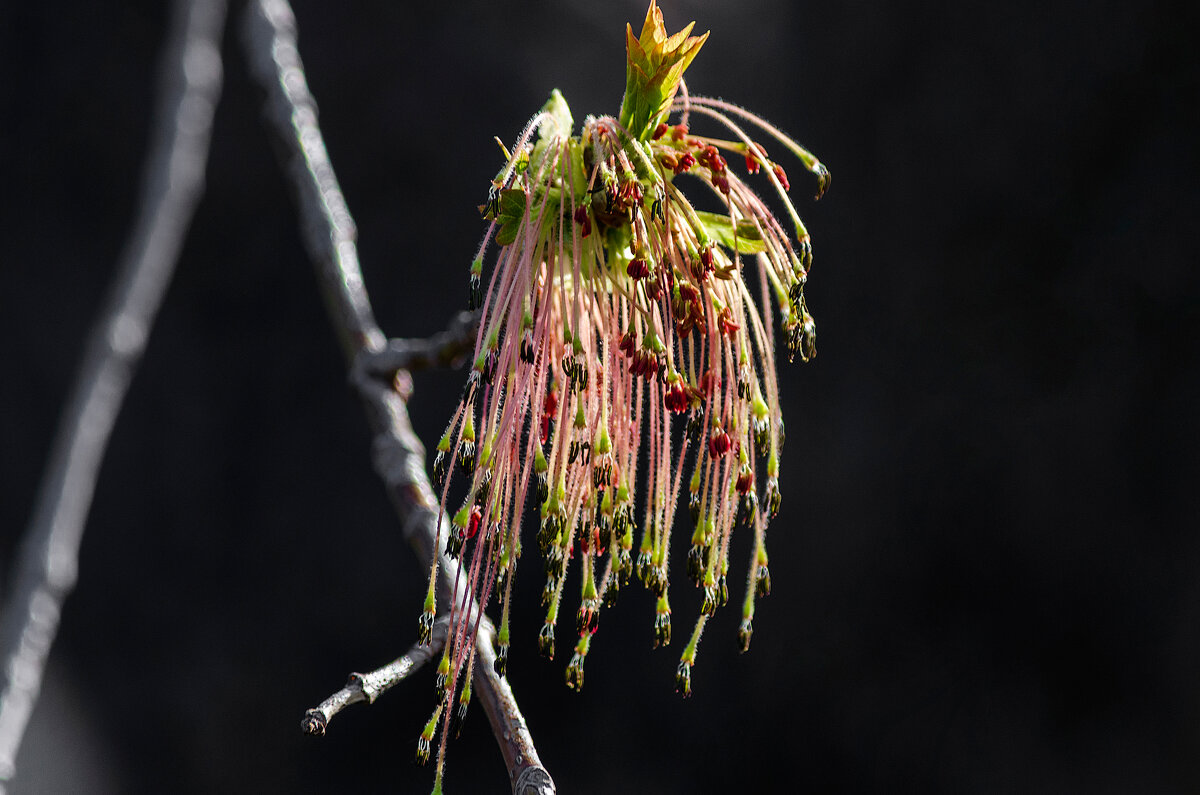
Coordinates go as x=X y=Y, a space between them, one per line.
x=751 y=163
x=685 y=163
x=745 y=481
x=706 y=256
x=596 y=541
x=721 y=183
x=709 y=382
x=718 y=442
x=631 y=192
x=679 y=131
x=644 y=364
x=688 y=292
x=725 y=321
x=548 y=410
x=676 y=399
x=669 y=160
x=582 y=218
x=659 y=130
x=636 y=366
x=654 y=290
x=679 y=308
x=627 y=345
x=781 y=176
x=473 y=524
x=637 y=268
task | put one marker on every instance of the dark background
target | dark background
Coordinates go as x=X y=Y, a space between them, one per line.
x=987 y=566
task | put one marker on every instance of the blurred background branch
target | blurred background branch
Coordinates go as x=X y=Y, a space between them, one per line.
x=189 y=85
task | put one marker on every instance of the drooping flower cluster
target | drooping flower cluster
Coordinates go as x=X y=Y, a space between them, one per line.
x=624 y=369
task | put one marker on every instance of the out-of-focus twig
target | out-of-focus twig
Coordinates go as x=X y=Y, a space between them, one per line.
x=397 y=453
x=173 y=182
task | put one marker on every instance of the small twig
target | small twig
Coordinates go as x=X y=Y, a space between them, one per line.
x=173 y=182
x=444 y=349
x=396 y=452
x=368 y=687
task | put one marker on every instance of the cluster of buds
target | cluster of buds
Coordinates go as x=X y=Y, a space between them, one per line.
x=617 y=314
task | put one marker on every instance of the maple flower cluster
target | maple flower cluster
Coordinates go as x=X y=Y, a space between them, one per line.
x=623 y=368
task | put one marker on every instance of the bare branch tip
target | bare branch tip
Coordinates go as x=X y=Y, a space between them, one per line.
x=534 y=781
x=314 y=723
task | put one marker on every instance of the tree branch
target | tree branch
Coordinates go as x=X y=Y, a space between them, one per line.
x=173 y=182
x=397 y=453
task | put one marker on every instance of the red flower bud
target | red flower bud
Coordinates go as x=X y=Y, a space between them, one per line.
x=725 y=321
x=627 y=344
x=781 y=176
x=711 y=159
